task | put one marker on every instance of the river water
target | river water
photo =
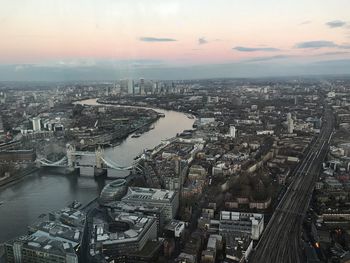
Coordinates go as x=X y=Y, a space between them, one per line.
x=47 y=191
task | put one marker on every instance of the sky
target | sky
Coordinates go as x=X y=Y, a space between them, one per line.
x=172 y=39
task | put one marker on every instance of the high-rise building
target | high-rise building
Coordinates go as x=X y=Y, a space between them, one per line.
x=142 y=90
x=232 y=131
x=36 y=124
x=142 y=86
x=130 y=86
x=290 y=123
x=154 y=88
x=1 y=125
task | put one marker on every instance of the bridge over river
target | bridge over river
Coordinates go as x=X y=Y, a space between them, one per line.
x=47 y=191
x=89 y=163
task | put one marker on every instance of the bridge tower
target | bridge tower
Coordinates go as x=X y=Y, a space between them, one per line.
x=37 y=163
x=99 y=155
x=70 y=149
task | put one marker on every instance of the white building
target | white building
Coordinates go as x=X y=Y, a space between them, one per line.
x=205 y=121
x=36 y=124
x=232 y=131
x=250 y=223
x=290 y=123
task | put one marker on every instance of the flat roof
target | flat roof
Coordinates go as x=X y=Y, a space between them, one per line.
x=139 y=193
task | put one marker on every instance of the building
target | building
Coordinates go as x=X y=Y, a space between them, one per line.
x=130 y=87
x=17 y=156
x=143 y=209
x=113 y=191
x=238 y=247
x=290 y=123
x=239 y=222
x=36 y=121
x=69 y=216
x=214 y=244
x=118 y=234
x=167 y=199
x=232 y=131
x=1 y=125
x=197 y=172
x=142 y=86
x=175 y=228
x=204 y=121
x=185 y=258
x=40 y=247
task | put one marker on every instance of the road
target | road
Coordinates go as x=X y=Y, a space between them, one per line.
x=281 y=240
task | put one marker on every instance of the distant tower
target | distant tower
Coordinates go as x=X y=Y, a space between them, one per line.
x=130 y=86
x=232 y=131
x=1 y=125
x=142 y=86
x=70 y=157
x=99 y=155
x=154 y=88
x=36 y=124
x=142 y=90
x=290 y=123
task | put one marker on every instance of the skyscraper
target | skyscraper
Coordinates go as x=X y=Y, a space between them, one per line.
x=290 y=123
x=130 y=86
x=36 y=124
x=1 y=125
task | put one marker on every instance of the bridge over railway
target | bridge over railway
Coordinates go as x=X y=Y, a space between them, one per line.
x=88 y=163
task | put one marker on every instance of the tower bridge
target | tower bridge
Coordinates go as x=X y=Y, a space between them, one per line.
x=88 y=163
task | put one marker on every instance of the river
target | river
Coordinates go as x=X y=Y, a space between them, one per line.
x=47 y=191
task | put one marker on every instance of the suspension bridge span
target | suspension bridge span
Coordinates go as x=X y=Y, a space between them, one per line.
x=88 y=163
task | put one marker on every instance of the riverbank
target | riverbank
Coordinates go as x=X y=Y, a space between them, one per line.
x=110 y=127
x=121 y=137
x=189 y=115
x=48 y=191
x=18 y=176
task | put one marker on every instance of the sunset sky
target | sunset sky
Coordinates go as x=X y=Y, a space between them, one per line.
x=163 y=38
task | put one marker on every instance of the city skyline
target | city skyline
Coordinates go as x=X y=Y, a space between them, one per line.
x=172 y=39
x=180 y=131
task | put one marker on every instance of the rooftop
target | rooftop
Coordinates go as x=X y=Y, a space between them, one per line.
x=123 y=227
x=42 y=241
x=138 y=193
x=57 y=231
